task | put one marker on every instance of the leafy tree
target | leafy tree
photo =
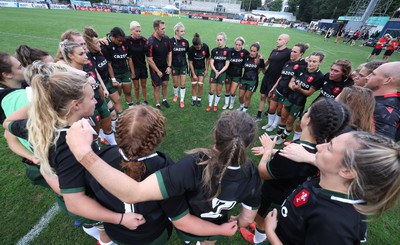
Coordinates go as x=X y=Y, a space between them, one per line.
x=249 y=5
x=275 y=5
x=293 y=6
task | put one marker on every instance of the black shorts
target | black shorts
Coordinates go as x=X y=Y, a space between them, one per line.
x=156 y=80
x=266 y=85
x=376 y=51
x=141 y=73
x=388 y=52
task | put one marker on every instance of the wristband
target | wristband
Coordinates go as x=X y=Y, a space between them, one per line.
x=114 y=79
x=122 y=217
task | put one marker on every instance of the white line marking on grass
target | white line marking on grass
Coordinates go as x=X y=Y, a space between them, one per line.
x=43 y=223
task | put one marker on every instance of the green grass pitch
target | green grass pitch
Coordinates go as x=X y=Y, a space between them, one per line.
x=23 y=204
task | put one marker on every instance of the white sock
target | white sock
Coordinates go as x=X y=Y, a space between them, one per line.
x=113 y=123
x=110 y=138
x=259 y=237
x=276 y=121
x=93 y=232
x=241 y=106
x=227 y=98
x=271 y=118
x=183 y=91
x=176 y=91
x=245 y=109
x=210 y=99
x=233 y=99
x=217 y=97
x=296 y=135
x=194 y=98
x=101 y=134
x=106 y=243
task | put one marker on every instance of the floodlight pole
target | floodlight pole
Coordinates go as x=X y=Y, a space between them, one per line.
x=249 y=6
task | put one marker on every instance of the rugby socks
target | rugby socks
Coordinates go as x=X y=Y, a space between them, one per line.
x=296 y=135
x=227 y=99
x=281 y=128
x=194 y=98
x=233 y=97
x=276 y=120
x=176 y=89
x=286 y=134
x=92 y=231
x=110 y=138
x=259 y=114
x=259 y=236
x=183 y=91
x=271 y=119
x=130 y=104
x=217 y=97
x=210 y=99
x=245 y=108
x=241 y=106
x=199 y=99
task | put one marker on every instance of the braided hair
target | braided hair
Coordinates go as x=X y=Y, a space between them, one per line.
x=233 y=132
x=328 y=119
x=139 y=131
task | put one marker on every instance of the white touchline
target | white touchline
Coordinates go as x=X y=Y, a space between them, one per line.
x=43 y=222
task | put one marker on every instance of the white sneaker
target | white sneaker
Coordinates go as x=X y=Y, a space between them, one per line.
x=225 y=107
x=270 y=128
x=279 y=140
x=266 y=126
x=240 y=109
x=230 y=106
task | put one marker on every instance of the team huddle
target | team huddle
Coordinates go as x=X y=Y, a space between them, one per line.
x=341 y=168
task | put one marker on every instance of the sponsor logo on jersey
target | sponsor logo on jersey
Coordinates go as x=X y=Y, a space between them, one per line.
x=325 y=94
x=295 y=67
x=336 y=90
x=219 y=58
x=288 y=73
x=120 y=56
x=310 y=79
x=250 y=65
x=178 y=49
x=301 y=198
x=101 y=64
x=236 y=60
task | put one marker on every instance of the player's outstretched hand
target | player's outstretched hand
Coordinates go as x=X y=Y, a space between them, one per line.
x=132 y=220
x=229 y=228
x=297 y=153
x=267 y=143
x=258 y=150
x=80 y=138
